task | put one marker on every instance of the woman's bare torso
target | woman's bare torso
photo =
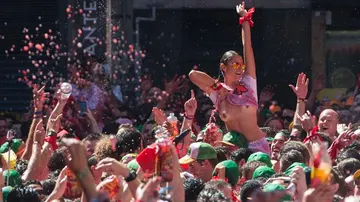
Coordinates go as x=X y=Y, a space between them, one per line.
x=242 y=119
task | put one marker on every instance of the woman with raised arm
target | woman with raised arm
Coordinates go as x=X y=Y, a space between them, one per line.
x=236 y=98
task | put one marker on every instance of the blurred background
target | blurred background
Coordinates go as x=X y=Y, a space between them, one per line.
x=163 y=38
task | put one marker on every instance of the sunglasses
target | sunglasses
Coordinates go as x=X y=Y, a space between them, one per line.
x=237 y=65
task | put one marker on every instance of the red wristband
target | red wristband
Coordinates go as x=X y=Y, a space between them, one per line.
x=248 y=17
x=52 y=141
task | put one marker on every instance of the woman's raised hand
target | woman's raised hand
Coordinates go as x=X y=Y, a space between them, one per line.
x=240 y=9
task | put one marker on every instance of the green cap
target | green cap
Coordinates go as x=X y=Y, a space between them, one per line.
x=133 y=165
x=260 y=156
x=263 y=171
x=235 y=139
x=14 y=146
x=269 y=139
x=232 y=173
x=14 y=179
x=290 y=169
x=277 y=187
x=6 y=190
x=199 y=151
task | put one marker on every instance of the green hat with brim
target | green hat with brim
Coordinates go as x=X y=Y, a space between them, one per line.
x=235 y=139
x=263 y=171
x=260 y=156
x=199 y=151
x=14 y=177
x=290 y=169
x=14 y=146
x=232 y=173
x=277 y=187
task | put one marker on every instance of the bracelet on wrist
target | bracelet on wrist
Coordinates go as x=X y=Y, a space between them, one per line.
x=187 y=117
x=248 y=18
x=132 y=176
x=37 y=112
x=301 y=100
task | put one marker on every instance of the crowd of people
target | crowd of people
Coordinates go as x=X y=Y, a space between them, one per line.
x=219 y=142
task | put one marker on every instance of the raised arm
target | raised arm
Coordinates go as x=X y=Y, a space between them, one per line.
x=246 y=39
x=202 y=80
x=39 y=99
x=190 y=108
x=300 y=90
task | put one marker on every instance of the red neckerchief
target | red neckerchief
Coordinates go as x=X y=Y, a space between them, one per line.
x=313 y=135
x=248 y=17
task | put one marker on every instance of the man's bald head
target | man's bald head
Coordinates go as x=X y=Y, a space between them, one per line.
x=328 y=121
x=330 y=111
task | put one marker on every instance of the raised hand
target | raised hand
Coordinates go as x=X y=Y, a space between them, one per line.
x=39 y=133
x=240 y=9
x=301 y=88
x=190 y=106
x=298 y=178
x=39 y=96
x=60 y=185
x=266 y=94
x=308 y=121
x=149 y=192
x=76 y=160
x=113 y=166
x=346 y=137
x=174 y=85
x=159 y=116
